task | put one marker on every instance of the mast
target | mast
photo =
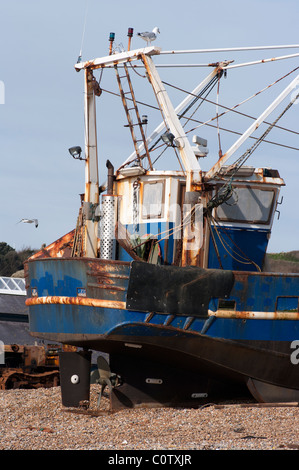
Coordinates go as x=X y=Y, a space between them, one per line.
x=91 y=197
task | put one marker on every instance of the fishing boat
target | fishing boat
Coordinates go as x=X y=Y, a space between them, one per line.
x=165 y=269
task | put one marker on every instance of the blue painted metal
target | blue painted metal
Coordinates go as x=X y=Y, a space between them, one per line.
x=69 y=320
x=244 y=245
x=252 y=292
x=250 y=349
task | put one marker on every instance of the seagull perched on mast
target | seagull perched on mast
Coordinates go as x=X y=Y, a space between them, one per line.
x=29 y=221
x=149 y=36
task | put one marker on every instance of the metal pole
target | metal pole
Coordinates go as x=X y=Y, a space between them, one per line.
x=263 y=61
x=230 y=49
x=91 y=197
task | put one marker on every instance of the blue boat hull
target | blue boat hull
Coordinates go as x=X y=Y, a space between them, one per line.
x=234 y=328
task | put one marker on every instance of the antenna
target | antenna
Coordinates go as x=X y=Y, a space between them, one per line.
x=83 y=34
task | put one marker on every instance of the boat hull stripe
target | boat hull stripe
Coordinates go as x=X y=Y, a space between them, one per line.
x=255 y=315
x=88 y=302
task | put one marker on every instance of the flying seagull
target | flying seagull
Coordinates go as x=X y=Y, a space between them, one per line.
x=29 y=221
x=149 y=36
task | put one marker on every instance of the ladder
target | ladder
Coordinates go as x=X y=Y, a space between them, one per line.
x=77 y=249
x=130 y=108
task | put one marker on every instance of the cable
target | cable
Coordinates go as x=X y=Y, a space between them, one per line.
x=249 y=151
x=207 y=89
x=245 y=101
x=223 y=243
x=233 y=108
x=211 y=125
x=217 y=116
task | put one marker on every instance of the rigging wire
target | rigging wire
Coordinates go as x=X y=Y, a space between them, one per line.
x=211 y=125
x=226 y=190
x=224 y=193
x=233 y=108
x=217 y=119
x=207 y=89
x=249 y=137
x=245 y=101
x=248 y=152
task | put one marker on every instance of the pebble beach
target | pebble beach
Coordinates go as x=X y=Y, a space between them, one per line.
x=35 y=419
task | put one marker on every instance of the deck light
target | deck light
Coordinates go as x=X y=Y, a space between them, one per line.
x=168 y=139
x=76 y=152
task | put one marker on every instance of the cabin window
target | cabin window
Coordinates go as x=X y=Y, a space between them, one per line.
x=153 y=199
x=287 y=304
x=247 y=205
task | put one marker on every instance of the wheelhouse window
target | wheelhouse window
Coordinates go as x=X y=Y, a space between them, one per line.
x=153 y=199
x=247 y=205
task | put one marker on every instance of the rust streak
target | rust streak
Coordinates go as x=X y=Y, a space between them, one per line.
x=87 y=302
x=246 y=315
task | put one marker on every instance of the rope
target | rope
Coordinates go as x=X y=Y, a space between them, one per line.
x=223 y=243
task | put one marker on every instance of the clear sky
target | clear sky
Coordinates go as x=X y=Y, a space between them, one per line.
x=42 y=113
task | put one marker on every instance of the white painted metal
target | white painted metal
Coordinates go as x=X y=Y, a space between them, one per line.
x=12 y=285
x=229 y=49
x=252 y=128
x=119 y=58
x=91 y=166
x=262 y=61
x=159 y=66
